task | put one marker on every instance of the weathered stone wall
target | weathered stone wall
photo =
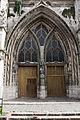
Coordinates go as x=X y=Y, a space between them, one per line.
x=74 y=91
x=10 y=92
x=57 y=6
x=77 y=17
x=3 y=23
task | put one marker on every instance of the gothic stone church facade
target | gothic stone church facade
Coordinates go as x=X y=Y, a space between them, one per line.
x=40 y=50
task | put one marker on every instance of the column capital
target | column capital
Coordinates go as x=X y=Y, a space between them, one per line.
x=2 y=54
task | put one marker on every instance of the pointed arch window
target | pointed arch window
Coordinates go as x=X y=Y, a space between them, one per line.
x=55 y=51
x=41 y=32
x=28 y=51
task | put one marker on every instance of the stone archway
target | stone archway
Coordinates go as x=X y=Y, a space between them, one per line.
x=26 y=24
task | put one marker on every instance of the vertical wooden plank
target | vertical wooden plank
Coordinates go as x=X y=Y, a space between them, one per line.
x=55 y=81
x=27 y=77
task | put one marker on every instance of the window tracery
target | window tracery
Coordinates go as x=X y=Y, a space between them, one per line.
x=28 y=51
x=55 y=51
x=41 y=32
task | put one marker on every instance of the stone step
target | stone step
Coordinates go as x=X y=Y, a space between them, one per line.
x=16 y=110
x=42 y=107
x=44 y=114
x=40 y=117
x=44 y=117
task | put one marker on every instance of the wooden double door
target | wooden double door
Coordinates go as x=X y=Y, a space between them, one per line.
x=55 y=80
x=27 y=81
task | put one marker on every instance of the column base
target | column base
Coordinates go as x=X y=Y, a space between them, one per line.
x=74 y=91
x=43 y=94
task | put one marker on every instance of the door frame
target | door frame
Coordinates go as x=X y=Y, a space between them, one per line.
x=31 y=64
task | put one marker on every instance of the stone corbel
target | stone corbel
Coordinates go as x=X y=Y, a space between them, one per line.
x=2 y=54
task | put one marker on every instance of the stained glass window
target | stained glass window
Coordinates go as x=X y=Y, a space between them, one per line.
x=54 y=51
x=28 y=51
x=41 y=32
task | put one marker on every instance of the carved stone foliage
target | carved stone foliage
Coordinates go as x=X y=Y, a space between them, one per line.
x=3 y=18
x=2 y=55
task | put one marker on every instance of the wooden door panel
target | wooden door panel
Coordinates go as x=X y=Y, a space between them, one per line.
x=51 y=71
x=55 y=81
x=25 y=82
x=59 y=70
x=31 y=87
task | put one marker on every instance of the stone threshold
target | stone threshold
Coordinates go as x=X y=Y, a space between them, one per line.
x=37 y=103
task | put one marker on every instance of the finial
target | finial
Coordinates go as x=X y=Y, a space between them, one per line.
x=42 y=2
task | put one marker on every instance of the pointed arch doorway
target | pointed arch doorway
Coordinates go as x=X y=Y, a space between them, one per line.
x=28 y=58
x=27 y=70
x=55 y=77
x=56 y=24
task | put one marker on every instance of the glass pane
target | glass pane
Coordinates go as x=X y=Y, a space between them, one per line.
x=34 y=57
x=28 y=51
x=54 y=44
x=45 y=29
x=28 y=44
x=41 y=40
x=39 y=34
x=37 y=28
x=59 y=45
x=44 y=34
x=48 y=56
x=33 y=45
x=54 y=37
x=21 y=56
x=28 y=38
x=61 y=56
x=49 y=45
x=28 y=56
x=55 y=55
